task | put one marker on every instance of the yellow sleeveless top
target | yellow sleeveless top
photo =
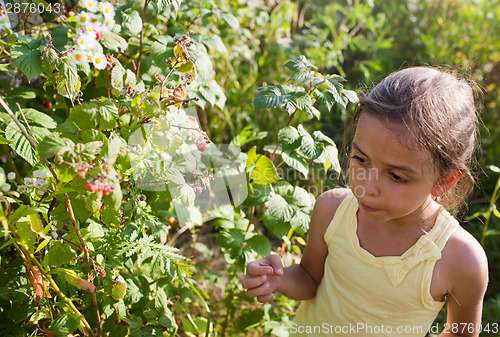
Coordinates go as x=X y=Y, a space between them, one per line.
x=364 y=295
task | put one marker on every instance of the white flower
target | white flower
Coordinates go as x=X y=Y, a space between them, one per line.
x=11 y=175
x=89 y=29
x=107 y=9
x=29 y=182
x=81 y=56
x=39 y=183
x=99 y=61
x=86 y=41
x=91 y=5
x=38 y=174
x=1 y=194
x=108 y=24
x=5 y=187
x=21 y=189
x=83 y=18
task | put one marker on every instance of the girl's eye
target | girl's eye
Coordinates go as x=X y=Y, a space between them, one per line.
x=360 y=160
x=398 y=179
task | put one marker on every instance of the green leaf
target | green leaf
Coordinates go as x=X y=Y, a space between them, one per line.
x=187 y=195
x=260 y=244
x=296 y=161
x=230 y=19
x=108 y=110
x=132 y=21
x=21 y=145
x=114 y=42
x=331 y=154
x=60 y=253
x=64 y=325
x=300 y=221
x=23 y=211
x=249 y=318
x=117 y=74
x=85 y=116
x=308 y=146
x=270 y=97
x=325 y=97
x=262 y=169
x=27 y=60
x=68 y=71
x=53 y=145
x=231 y=240
x=289 y=138
x=40 y=118
x=300 y=62
x=279 y=209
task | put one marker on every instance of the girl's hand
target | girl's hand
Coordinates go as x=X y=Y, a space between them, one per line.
x=263 y=277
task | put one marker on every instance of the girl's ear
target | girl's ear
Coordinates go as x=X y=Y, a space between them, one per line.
x=447 y=183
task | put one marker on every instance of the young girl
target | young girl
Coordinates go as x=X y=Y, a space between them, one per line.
x=384 y=255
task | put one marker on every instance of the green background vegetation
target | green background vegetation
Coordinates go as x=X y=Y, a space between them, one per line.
x=244 y=46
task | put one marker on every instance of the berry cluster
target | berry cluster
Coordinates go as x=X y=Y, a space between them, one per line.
x=92 y=24
x=96 y=185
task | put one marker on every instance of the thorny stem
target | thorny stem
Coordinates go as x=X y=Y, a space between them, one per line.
x=287 y=124
x=68 y=204
x=31 y=259
x=146 y=3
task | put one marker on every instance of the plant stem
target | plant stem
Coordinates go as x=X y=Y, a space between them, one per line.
x=287 y=124
x=31 y=259
x=146 y=3
x=68 y=204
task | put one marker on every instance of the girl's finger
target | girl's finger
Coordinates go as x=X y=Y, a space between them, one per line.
x=263 y=289
x=250 y=282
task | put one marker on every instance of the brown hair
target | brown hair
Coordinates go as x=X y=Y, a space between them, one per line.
x=438 y=109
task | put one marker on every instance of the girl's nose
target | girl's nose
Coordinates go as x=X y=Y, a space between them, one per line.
x=371 y=182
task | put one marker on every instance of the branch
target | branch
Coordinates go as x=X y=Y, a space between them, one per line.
x=68 y=204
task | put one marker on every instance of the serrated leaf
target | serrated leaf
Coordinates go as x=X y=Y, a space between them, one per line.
x=336 y=89
x=187 y=195
x=85 y=116
x=300 y=221
x=331 y=154
x=260 y=244
x=262 y=169
x=289 y=138
x=132 y=21
x=270 y=97
x=114 y=42
x=69 y=71
x=108 y=110
x=117 y=74
x=21 y=145
x=300 y=62
x=297 y=162
x=130 y=79
x=27 y=60
x=325 y=97
x=64 y=325
x=309 y=147
x=279 y=209
x=40 y=118
x=60 y=253
x=53 y=144
x=352 y=96
x=231 y=240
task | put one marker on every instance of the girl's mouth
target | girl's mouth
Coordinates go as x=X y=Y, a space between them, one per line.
x=368 y=209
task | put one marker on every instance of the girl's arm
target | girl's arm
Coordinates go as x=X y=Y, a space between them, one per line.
x=468 y=268
x=300 y=281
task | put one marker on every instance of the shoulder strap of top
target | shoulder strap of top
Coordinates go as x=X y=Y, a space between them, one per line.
x=343 y=213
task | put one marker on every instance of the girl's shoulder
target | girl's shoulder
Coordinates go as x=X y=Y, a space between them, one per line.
x=464 y=258
x=325 y=207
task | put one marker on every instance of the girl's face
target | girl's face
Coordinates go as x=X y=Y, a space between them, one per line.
x=391 y=179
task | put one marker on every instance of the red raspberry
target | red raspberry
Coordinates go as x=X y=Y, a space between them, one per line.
x=201 y=146
x=48 y=105
x=98 y=35
x=91 y=187
x=106 y=190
